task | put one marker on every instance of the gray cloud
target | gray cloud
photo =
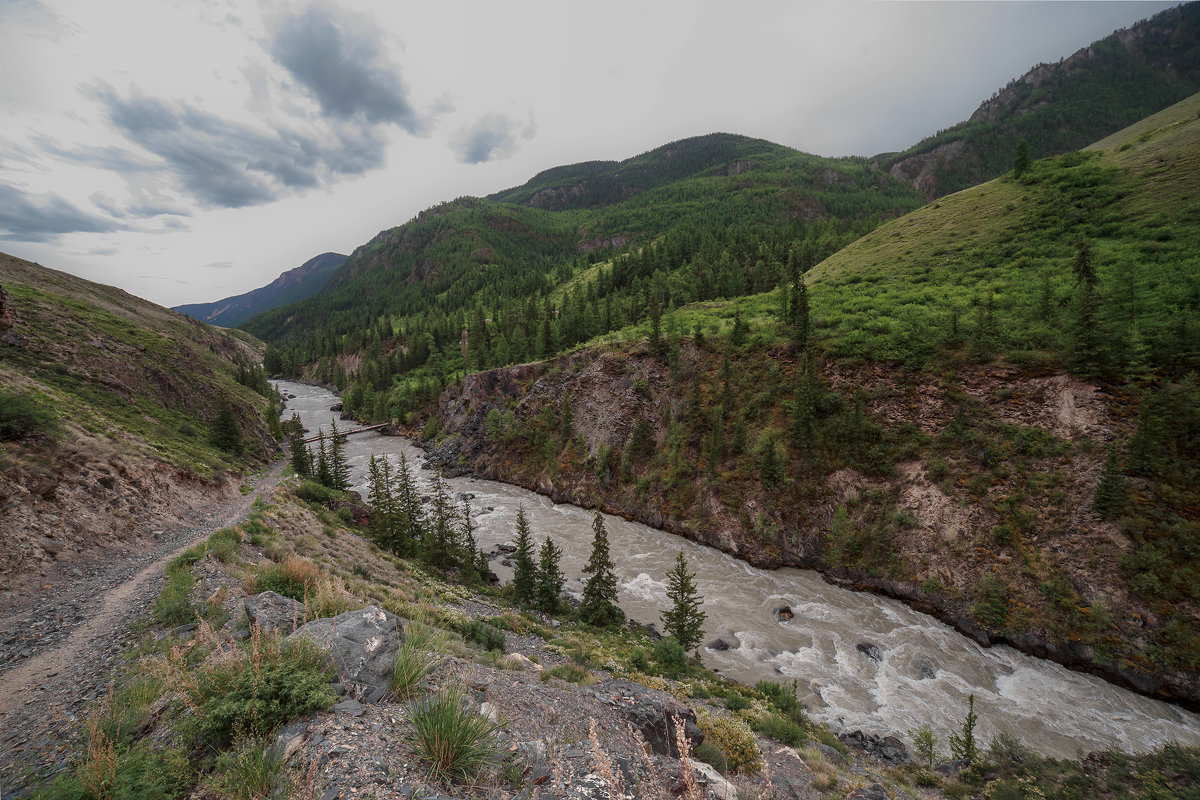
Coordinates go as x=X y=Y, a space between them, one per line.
x=340 y=62
x=231 y=165
x=220 y=265
x=26 y=218
x=491 y=137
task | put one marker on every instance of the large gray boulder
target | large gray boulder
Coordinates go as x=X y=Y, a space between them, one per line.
x=652 y=713
x=363 y=645
x=273 y=613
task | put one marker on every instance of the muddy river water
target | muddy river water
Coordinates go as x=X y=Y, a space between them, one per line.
x=914 y=670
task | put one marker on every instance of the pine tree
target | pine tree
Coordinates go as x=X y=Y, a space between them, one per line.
x=226 y=435
x=549 y=579
x=410 y=520
x=469 y=560
x=339 y=469
x=1082 y=266
x=301 y=457
x=379 y=496
x=964 y=746
x=323 y=475
x=1113 y=488
x=599 y=605
x=524 y=569
x=800 y=313
x=1021 y=159
x=441 y=548
x=804 y=406
x=685 y=620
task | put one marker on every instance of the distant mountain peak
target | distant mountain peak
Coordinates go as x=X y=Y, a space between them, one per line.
x=298 y=283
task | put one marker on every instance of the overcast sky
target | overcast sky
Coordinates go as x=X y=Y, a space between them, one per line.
x=187 y=151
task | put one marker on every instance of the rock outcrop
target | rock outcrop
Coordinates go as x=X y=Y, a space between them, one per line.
x=274 y=613
x=362 y=646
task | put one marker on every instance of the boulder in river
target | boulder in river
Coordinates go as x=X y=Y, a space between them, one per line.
x=719 y=644
x=784 y=613
x=871 y=651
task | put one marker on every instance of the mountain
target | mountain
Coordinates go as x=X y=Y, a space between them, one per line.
x=292 y=286
x=1062 y=107
x=989 y=411
x=111 y=413
x=730 y=199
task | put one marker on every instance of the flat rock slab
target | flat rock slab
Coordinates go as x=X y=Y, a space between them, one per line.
x=273 y=613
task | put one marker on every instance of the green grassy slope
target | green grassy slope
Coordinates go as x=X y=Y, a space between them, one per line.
x=1061 y=107
x=990 y=270
x=107 y=364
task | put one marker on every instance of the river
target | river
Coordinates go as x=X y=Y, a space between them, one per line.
x=925 y=669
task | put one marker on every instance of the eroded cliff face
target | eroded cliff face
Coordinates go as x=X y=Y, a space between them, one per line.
x=930 y=528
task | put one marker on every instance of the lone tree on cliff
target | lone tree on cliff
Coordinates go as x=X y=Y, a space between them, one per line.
x=599 y=605
x=685 y=620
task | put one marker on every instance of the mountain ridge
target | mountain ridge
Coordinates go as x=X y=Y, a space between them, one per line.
x=291 y=286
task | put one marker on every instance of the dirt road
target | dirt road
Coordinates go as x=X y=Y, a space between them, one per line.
x=81 y=629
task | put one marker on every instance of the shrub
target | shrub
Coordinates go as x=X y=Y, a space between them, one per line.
x=417 y=657
x=780 y=729
x=328 y=598
x=294 y=577
x=313 y=492
x=251 y=695
x=448 y=733
x=248 y=771
x=783 y=697
x=484 y=635
x=733 y=738
x=25 y=415
x=571 y=673
x=710 y=754
x=224 y=544
x=670 y=656
x=174 y=604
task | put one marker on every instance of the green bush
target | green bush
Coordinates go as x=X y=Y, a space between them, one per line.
x=145 y=774
x=248 y=771
x=670 y=656
x=733 y=738
x=448 y=733
x=25 y=415
x=270 y=684
x=483 y=634
x=224 y=544
x=174 y=604
x=710 y=754
x=571 y=673
x=780 y=729
x=293 y=577
x=313 y=492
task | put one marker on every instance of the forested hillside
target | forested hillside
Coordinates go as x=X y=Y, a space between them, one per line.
x=910 y=417
x=702 y=218
x=1058 y=108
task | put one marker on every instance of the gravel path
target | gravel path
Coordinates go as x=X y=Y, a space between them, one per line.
x=59 y=647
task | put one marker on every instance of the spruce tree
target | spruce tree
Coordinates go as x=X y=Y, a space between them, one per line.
x=549 y=580
x=323 y=475
x=469 y=560
x=599 y=605
x=379 y=496
x=339 y=469
x=440 y=543
x=524 y=582
x=410 y=519
x=685 y=620
x=964 y=746
x=800 y=313
x=301 y=457
x=1113 y=487
x=226 y=435
x=1021 y=159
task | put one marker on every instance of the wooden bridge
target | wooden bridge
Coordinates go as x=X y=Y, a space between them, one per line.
x=343 y=434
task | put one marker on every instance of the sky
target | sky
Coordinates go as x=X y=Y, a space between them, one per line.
x=188 y=151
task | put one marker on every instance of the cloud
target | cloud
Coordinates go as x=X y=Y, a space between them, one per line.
x=229 y=164
x=492 y=137
x=220 y=265
x=338 y=58
x=26 y=218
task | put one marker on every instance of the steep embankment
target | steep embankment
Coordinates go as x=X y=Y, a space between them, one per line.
x=930 y=443
x=109 y=409
x=1065 y=106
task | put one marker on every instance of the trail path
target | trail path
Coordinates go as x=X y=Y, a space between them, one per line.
x=83 y=627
